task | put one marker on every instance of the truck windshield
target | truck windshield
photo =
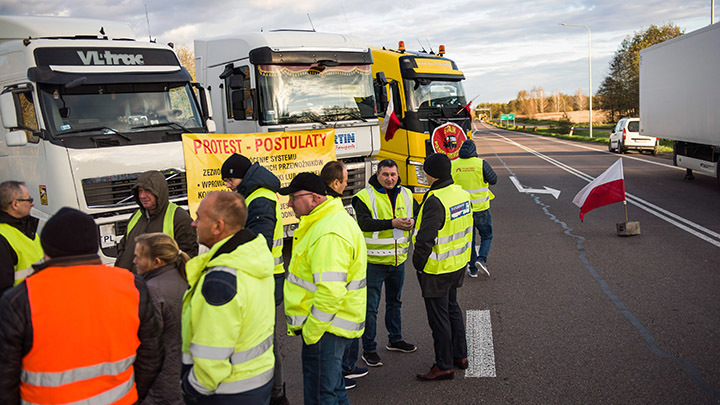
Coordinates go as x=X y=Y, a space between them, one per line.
x=120 y=108
x=292 y=94
x=426 y=93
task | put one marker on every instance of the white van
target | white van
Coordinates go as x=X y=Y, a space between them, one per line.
x=626 y=136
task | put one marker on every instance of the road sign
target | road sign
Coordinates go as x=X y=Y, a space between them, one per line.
x=507 y=116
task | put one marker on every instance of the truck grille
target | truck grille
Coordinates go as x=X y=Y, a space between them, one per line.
x=115 y=191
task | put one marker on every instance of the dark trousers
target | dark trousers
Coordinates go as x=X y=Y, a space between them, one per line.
x=323 y=381
x=279 y=380
x=448 y=329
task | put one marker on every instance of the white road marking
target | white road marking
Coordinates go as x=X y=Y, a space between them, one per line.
x=700 y=231
x=481 y=354
x=546 y=190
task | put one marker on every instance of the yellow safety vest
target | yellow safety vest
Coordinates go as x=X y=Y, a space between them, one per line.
x=168 y=220
x=277 y=238
x=382 y=247
x=325 y=289
x=27 y=250
x=468 y=174
x=230 y=346
x=451 y=251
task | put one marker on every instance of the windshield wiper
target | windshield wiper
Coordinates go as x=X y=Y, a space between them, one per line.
x=105 y=130
x=163 y=124
x=350 y=114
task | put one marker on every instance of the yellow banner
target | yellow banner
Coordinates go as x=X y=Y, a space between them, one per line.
x=285 y=154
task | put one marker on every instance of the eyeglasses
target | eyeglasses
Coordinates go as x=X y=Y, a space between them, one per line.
x=294 y=197
x=30 y=200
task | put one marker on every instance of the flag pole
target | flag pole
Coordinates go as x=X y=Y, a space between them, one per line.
x=626 y=215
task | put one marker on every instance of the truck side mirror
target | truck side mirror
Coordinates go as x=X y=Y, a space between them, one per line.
x=380 y=79
x=236 y=82
x=238 y=105
x=16 y=138
x=7 y=110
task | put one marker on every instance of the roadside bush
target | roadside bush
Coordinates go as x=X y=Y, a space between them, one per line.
x=563 y=125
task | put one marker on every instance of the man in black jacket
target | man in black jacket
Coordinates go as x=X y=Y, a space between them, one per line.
x=86 y=318
x=441 y=250
x=19 y=243
x=259 y=187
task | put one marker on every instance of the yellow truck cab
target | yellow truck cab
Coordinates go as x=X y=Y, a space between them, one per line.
x=429 y=102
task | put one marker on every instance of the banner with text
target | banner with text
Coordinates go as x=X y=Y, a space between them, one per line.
x=285 y=154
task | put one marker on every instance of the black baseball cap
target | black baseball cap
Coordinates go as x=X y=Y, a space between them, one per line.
x=305 y=181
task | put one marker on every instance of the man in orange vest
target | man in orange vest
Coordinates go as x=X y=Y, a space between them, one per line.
x=92 y=335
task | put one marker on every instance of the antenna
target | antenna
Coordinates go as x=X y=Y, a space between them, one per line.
x=421 y=45
x=431 y=50
x=147 y=18
x=311 y=24
x=346 y=20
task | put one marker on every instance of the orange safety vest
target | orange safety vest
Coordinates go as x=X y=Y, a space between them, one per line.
x=85 y=336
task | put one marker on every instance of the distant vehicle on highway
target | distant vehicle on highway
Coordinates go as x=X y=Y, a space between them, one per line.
x=626 y=136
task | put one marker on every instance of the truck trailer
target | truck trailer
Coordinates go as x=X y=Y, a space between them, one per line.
x=86 y=109
x=680 y=98
x=290 y=80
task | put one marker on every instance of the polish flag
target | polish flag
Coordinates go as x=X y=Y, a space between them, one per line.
x=391 y=123
x=607 y=188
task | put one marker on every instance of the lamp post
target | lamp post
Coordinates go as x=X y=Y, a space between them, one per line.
x=589 y=69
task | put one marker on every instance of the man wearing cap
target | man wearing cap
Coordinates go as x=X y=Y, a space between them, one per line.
x=325 y=295
x=385 y=212
x=228 y=313
x=441 y=251
x=259 y=187
x=77 y=331
x=19 y=242
x=156 y=214
x=475 y=176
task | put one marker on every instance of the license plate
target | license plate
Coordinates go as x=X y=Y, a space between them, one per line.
x=107 y=236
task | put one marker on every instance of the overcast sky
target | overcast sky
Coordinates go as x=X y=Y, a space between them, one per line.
x=502 y=46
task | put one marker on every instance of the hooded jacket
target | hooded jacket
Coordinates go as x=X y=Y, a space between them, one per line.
x=261 y=211
x=467 y=151
x=16 y=332
x=185 y=235
x=8 y=258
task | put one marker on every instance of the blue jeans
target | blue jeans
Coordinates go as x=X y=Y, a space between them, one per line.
x=393 y=277
x=483 y=223
x=351 y=355
x=323 y=382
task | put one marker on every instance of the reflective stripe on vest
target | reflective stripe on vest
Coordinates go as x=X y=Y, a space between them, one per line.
x=92 y=361
x=451 y=250
x=334 y=320
x=468 y=174
x=233 y=387
x=277 y=237
x=28 y=251
x=310 y=286
x=168 y=220
x=382 y=247
x=224 y=353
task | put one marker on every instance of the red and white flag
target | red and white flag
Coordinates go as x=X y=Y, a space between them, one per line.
x=607 y=188
x=391 y=123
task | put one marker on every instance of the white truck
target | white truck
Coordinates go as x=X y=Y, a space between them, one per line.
x=680 y=98
x=85 y=109
x=292 y=81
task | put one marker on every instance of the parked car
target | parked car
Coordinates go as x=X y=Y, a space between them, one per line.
x=626 y=136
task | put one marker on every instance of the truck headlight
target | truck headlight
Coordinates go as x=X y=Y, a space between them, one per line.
x=420 y=174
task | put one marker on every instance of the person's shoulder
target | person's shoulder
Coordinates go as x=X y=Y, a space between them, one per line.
x=219 y=287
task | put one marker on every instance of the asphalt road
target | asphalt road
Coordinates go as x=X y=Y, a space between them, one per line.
x=576 y=313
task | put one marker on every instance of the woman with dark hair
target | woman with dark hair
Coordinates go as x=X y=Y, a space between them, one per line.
x=162 y=264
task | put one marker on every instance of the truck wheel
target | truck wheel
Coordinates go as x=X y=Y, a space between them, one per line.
x=655 y=150
x=620 y=148
x=610 y=149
